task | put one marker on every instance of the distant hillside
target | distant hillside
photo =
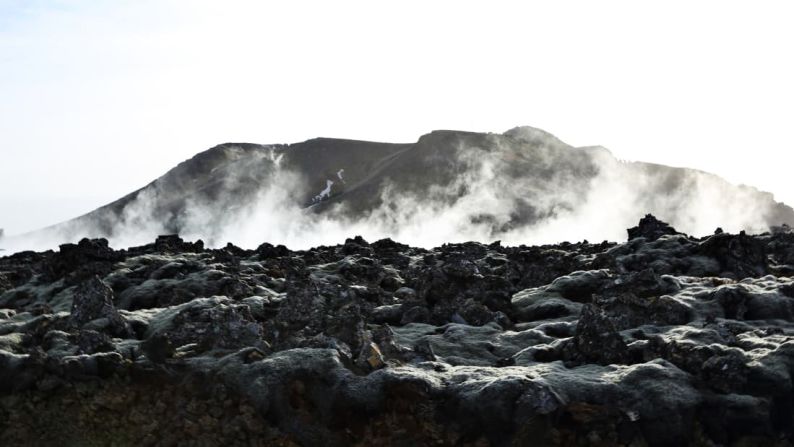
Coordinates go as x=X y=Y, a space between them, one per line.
x=524 y=184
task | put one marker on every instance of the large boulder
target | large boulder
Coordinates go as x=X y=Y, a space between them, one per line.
x=77 y=262
x=651 y=229
x=93 y=301
x=740 y=256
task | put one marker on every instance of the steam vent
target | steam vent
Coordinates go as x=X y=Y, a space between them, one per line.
x=663 y=340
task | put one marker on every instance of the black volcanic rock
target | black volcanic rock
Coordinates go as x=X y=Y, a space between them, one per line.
x=650 y=342
x=740 y=254
x=93 y=300
x=651 y=229
x=172 y=243
x=597 y=340
x=270 y=251
x=83 y=260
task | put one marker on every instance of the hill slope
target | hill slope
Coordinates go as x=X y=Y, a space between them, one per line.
x=522 y=186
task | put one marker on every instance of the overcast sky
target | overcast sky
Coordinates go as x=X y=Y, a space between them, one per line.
x=97 y=98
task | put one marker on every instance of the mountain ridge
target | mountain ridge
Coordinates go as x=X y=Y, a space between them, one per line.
x=481 y=185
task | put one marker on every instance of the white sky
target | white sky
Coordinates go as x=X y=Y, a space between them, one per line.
x=97 y=98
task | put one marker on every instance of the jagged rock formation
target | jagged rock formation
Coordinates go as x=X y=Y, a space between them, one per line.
x=477 y=185
x=663 y=340
x=651 y=229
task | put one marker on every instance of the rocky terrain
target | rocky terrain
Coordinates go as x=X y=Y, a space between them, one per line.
x=666 y=339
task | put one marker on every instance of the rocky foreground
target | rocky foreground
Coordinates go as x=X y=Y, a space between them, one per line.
x=663 y=340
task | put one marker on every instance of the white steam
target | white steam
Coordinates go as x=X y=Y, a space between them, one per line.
x=481 y=204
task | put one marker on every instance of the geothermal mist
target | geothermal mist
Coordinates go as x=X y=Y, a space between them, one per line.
x=481 y=203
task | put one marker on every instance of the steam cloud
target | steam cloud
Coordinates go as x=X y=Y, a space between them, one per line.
x=482 y=203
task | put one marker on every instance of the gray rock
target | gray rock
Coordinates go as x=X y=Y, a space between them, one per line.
x=642 y=343
x=93 y=300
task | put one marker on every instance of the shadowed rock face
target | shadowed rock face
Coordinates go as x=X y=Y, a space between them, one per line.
x=663 y=340
x=503 y=184
x=651 y=229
